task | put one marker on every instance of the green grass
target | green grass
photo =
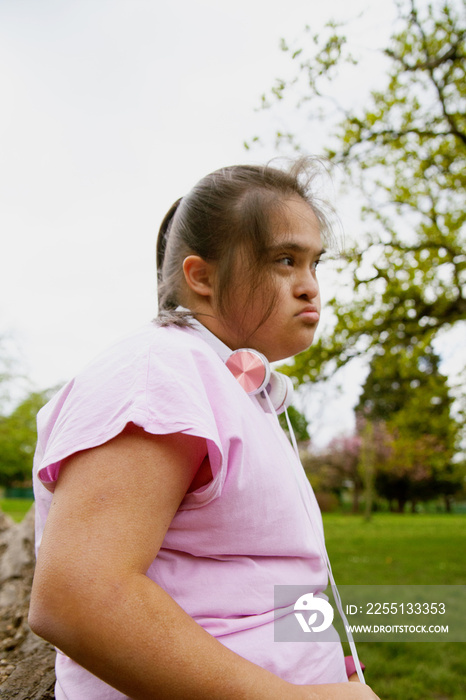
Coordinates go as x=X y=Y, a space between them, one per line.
x=16 y=508
x=397 y=549
x=406 y=550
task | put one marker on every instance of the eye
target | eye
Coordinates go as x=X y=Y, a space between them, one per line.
x=286 y=260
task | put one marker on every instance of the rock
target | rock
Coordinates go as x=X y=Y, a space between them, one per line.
x=26 y=661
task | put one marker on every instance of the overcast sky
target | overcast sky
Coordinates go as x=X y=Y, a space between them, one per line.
x=111 y=110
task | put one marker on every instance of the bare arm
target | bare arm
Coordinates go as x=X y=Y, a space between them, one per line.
x=91 y=597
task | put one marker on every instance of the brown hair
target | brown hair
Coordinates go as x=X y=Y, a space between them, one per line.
x=226 y=211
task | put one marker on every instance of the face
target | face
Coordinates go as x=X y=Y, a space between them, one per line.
x=294 y=253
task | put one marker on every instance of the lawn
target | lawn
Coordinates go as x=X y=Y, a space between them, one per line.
x=16 y=508
x=404 y=550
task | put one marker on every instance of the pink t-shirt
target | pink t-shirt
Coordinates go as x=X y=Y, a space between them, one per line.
x=232 y=540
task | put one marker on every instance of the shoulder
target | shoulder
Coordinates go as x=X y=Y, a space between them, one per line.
x=152 y=358
x=131 y=357
x=163 y=380
x=166 y=342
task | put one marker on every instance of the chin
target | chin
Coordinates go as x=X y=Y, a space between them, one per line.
x=302 y=348
x=278 y=351
x=285 y=354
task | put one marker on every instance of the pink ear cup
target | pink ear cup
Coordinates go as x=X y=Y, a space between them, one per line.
x=250 y=368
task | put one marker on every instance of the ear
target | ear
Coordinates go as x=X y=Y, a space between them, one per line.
x=198 y=275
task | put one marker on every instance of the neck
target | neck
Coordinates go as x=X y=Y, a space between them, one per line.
x=203 y=324
x=203 y=312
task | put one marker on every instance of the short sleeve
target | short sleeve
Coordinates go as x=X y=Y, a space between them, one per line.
x=160 y=380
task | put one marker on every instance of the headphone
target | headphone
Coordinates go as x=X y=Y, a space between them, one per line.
x=252 y=370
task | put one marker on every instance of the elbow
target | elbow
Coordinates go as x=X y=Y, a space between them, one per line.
x=49 y=614
x=37 y=621
x=60 y=606
x=41 y=617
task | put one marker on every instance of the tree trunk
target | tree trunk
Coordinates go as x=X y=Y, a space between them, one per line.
x=355 y=499
x=367 y=462
x=401 y=505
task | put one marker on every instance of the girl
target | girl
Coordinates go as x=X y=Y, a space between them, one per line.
x=167 y=506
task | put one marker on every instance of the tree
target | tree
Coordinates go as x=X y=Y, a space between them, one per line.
x=410 y=395
x=298 y=423
x=413 y=471
x=11 y=377
x=350 y=461
x=343 y=460
x=18 y=439
x=404 y=153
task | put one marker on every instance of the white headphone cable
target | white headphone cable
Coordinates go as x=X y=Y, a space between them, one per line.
x=320 y=542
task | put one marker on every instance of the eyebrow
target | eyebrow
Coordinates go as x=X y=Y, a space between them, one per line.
x=294 y=247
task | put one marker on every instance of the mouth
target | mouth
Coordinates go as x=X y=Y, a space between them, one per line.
x=310 y=314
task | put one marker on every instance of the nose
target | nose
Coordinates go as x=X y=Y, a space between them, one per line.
x=307 y=286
